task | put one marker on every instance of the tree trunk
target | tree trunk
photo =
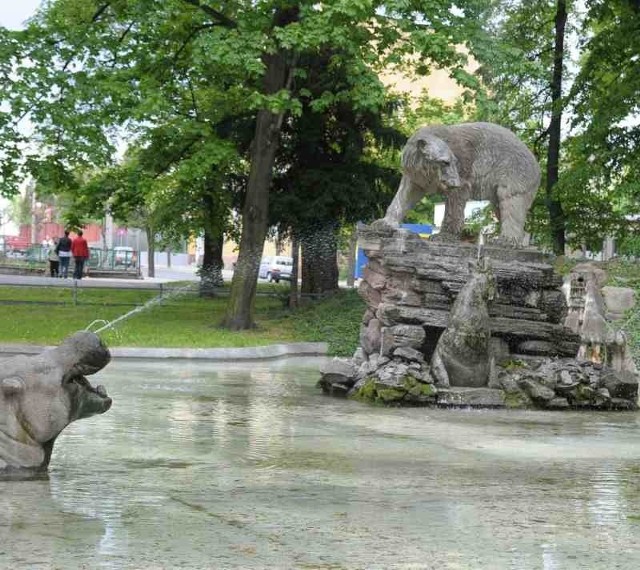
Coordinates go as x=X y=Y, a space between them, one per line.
x=264 y=146
x=556 y=213
x=320 y=261
x=212 y=264
x=105 y=248
x=151 y=255
x=293 y=285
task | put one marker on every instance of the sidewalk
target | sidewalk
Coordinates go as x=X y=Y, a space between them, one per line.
x=226 y=354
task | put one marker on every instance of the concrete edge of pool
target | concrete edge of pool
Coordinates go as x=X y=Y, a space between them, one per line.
x=267 y=352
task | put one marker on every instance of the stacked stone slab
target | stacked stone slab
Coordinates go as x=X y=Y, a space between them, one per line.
x=409 y=286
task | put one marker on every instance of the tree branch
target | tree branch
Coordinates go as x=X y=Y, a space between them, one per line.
x=193 y=100
x=193 y=33
x=100 y=11
x=125 y=32
x=218 y=16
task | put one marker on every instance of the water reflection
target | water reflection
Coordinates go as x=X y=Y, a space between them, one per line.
x=203 y=466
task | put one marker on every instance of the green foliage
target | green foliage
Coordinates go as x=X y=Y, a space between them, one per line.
x=332 y=165
x=335 y=320
x=479 y=219
x=86 y=72
x=597 y=184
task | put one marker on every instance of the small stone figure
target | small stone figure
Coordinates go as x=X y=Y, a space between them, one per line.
x=41 y=395
x=471 y=160
x=461 y=357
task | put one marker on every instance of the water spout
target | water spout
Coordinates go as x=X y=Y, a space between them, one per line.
x=150 y=303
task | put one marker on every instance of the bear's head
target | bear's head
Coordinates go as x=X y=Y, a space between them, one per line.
x=430 y=162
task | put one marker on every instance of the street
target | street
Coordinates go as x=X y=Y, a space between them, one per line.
x=163 y=275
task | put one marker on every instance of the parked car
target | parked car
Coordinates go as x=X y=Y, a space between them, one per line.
x=16 y=254
x=274 y=268
x=124 y=255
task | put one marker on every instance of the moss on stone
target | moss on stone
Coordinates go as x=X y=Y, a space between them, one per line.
x=417 y=388
x=367 y=392
x=391 y=395
x=583 y=394
x=515 y=400
x=513 y=364
x=409 y=392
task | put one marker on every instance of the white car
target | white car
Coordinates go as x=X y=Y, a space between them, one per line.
x=124 y=255
x=274 y=268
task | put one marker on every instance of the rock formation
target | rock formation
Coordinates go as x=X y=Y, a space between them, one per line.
x=41 y=395
x=411 y=285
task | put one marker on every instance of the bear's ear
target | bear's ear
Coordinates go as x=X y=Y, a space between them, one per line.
x=12 y=386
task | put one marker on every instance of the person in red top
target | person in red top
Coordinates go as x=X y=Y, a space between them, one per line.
x=80 y=252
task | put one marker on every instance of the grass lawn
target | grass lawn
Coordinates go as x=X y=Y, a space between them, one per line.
x=45 y=315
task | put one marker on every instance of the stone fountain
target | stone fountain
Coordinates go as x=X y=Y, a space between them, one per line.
x=456 y=324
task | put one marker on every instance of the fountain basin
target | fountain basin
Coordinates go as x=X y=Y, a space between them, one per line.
x=217 y=465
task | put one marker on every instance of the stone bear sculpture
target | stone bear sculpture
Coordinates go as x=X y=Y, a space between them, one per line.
x=462 y=356
x=471 y=160
x=41 y=395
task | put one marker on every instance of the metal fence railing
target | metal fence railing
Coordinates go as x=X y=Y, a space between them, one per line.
x=120 y=258
x=71 y=291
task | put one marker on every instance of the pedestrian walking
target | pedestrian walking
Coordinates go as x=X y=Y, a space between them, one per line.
x=54 y=259
x=63 y=249
x=80 y=252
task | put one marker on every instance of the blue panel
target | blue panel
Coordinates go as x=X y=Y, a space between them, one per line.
x=361 y=259
x=420 y=229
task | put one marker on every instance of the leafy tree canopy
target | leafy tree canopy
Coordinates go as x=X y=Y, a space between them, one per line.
x=86 y=73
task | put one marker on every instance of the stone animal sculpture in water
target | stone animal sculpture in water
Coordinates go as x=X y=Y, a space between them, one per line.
x=461 y=357
x=41 y=395
x=482 y=161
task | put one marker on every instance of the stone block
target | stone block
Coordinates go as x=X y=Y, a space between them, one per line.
x=335 y=372
x=617 y=301
x=499 y=350
x=621 y=385
x=401 y=297
x=405 y=336
x=410 y=354
x=554 y=305
x=537 y=391
x=371 y=336
x=537 y=348
x=375 y=279
x=473 y=397
x=391 y=314
x=371 y=296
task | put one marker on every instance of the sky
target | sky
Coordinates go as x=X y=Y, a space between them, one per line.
x=14 y=12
